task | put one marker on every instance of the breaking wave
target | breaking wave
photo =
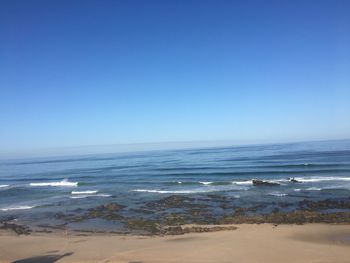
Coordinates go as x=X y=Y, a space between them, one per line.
x=89 y=195
x=206 y=183
x=320 y=179
x=20 y=207
x=277 y=194
x=193 y=191
x=63 y=183
x=88 y=192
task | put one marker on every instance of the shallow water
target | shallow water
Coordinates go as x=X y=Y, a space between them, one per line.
x=33 y=190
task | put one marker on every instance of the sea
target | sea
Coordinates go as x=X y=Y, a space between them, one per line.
x=34 y=190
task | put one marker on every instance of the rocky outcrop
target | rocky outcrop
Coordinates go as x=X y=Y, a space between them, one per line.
x=324 y=204
x=257 y=182
x=143 y=226
x=293 y=180
x=18 y=229
x=109 y=212
x=173 y=201
x=173 y=214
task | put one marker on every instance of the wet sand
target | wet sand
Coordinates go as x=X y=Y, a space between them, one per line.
x=249 y=243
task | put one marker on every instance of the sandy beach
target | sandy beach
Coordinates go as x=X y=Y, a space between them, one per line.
x=249 y=243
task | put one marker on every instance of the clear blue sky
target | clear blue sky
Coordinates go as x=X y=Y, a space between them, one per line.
x=106 y=72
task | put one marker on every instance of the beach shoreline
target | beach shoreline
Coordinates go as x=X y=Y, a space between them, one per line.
x=176 y=215
x=246 y=243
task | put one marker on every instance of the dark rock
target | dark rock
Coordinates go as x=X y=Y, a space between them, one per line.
x=226 y=206
x=108 y=212
x=275 y=210
x=240 y=211
x=113 y=207
x=284 y=204
x=220 y=198
x=293 y=180
x=18 y=229
x=144 y=226
x=261 y=183
x=174 y=201
x=43 y=231
x=324 y=204
x=57 y=227
x=171 y=214
x=142 y=211
x=173 y=230
x=175 y=219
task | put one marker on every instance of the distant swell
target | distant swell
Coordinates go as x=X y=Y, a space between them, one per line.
x=248 y=172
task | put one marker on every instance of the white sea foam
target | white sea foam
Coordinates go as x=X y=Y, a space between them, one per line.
x=174 y=191
x=300 y=179
x=206 y=183
x=322 y=188
x=4 y=185
x=277 y=194
x=88 y=192
x=280 y=180
x=64 y=183
x=320 y=179
x=20 y=207
x=249 y=182
x=89 y=195
x=313 y=189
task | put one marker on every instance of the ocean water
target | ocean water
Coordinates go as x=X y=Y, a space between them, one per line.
x=33 y=190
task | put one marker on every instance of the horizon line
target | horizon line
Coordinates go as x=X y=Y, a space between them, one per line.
x=94 y=149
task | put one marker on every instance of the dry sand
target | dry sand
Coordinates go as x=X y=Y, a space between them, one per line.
x=249 y=243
